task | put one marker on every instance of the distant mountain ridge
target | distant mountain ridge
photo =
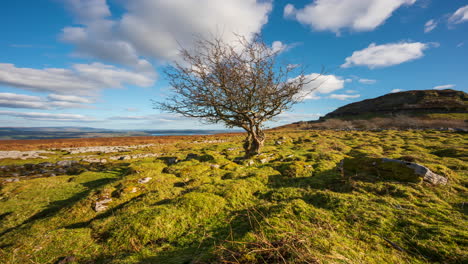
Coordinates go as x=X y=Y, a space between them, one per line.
x=410 y=103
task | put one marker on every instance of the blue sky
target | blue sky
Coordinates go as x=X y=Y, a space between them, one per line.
x=99 y=63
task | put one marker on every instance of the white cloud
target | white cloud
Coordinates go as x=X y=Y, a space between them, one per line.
x=367 y=81
x=396 y=90
x=351 y=91
x=278 y=46
x=289 y=117
x=344 y=96
x=70 y=98
x=460 y=16
x=12 y=100
x=377 y=56
x=459 y=45
x=446 y=86
x=82 y=79
x=430 y=25
x=156 y=29
x=47 y=116
x=335 y=15
x=321 y=84
x=348 y=80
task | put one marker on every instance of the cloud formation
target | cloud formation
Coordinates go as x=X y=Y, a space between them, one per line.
x=156 y=29
x=81 y=79
x=396 y=90
x=378 y=56
x=367 y=81
x=321 y=84
x=47 y=116
x=430 y=25
x=446 y=86
x=460 y=16
x=12 y=100
x=344 y=96
x=336 y=15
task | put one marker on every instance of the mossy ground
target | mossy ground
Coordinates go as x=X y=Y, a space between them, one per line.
x=295 y=203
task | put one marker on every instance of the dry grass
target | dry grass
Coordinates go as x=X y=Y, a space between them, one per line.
x=42 y=144
x=401 y=122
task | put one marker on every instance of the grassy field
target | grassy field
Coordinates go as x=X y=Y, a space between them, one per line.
x=310 y=197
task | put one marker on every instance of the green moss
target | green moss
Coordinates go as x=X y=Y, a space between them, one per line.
x=296 y=169
x=303 y=204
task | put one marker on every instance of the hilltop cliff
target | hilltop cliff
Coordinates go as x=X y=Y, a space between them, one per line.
x=411 y=103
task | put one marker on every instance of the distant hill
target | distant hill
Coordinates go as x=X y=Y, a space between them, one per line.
x=409 y=103
x=410 y=109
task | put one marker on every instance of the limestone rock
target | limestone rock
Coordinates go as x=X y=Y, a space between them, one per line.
x=145 y=180
x=101 y=205
x=422 y=171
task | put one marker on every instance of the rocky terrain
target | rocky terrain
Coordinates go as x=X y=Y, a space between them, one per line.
x=310 y=197
x=409 y=103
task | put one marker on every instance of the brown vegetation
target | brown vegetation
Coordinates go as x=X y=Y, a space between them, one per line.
x=401 y=122
x=42 y=144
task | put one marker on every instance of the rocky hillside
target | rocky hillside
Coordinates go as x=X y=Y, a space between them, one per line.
x=411 y=103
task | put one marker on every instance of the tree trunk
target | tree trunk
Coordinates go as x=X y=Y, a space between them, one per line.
x=254 y=142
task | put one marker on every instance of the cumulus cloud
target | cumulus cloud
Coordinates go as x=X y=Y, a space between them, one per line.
x=396 y=90
x=446 y=86
x=278 y=46
x=47 y=116
x=335 y=15
x=367 y=81
x=378 y=56
x=344 y=96
x=430 y=25
x=84 y=79
x=321 y=84
x=156 y=29
x=460 y=16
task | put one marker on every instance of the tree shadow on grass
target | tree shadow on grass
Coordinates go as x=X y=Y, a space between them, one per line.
x=200 y=249
x=106 y=214
x=55 y=207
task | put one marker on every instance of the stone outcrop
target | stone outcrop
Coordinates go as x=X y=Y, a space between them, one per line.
x=406 y=103
x=422 y=171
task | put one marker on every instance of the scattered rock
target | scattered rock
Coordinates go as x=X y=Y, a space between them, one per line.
x=66 y=163
x=422 y=171
x=104 y=149
x=145 y=180
x=12 y=180
x=214 y=166
x=126 y=157
x=250 y=163
x=101 y=205
x=13 y=154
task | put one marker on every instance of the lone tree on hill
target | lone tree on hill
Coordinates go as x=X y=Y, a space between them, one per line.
x=240 y=85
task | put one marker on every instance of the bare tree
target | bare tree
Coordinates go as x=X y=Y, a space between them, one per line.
x=240 y=85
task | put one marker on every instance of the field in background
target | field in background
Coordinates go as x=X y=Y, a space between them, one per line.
x=43 y=144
